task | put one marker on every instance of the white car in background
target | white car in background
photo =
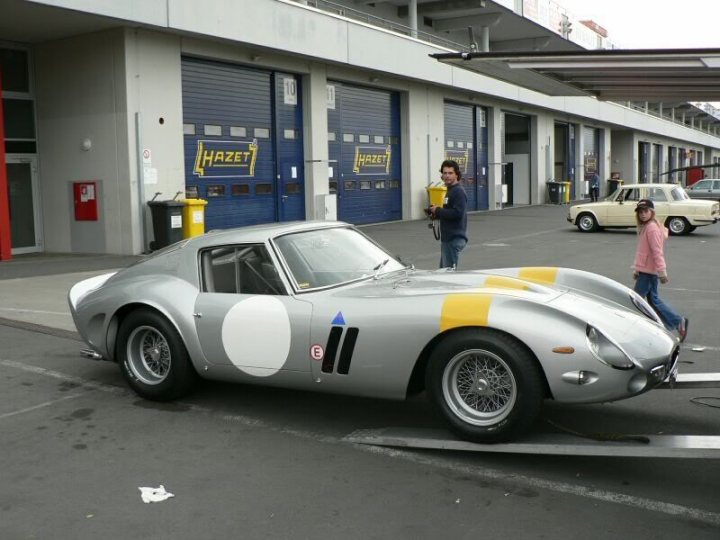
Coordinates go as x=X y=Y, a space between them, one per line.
x=673 y=207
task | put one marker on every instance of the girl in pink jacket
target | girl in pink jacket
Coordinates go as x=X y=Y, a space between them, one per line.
x=649 y=266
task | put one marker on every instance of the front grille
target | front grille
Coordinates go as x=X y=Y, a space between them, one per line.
x=672 y=362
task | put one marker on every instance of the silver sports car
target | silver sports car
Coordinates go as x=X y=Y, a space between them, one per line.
x=320 y=306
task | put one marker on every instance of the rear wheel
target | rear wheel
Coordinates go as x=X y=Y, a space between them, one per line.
x=587 y=223
x=153 y=358
x=678 y=225
x=486 y=385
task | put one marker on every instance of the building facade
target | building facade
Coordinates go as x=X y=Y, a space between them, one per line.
x=275 y=110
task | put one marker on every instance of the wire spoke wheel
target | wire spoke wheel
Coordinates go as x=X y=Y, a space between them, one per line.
x=148 y=355
x=479 y=387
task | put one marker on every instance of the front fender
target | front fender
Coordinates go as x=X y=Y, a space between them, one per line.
x=100 y=313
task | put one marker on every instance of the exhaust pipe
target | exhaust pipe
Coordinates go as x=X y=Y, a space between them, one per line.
x=92 y=355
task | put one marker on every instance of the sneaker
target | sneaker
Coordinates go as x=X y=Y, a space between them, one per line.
x=683 y=328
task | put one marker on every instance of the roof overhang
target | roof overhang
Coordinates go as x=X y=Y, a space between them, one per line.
x=618 y=75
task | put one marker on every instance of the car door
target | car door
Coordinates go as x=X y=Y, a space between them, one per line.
x=244 y=315
x=621 y=211
x=702 y=189
x=662 y=202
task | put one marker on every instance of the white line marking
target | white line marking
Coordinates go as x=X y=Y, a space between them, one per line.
x=686 y=346
x=701 y=291
x=62 y=376
x=711 y=518
x=40 y=406
x=18 y=310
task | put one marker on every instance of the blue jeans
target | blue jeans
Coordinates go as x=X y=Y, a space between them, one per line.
x=450 y=252
x=646 y=286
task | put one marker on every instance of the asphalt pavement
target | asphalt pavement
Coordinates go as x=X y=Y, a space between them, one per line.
x=257 y=462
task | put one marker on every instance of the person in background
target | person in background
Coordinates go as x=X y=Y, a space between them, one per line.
x=594 y=186
x=649 y=266
x=452 y=216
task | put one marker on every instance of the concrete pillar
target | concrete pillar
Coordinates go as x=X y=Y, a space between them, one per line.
x=412 y=13
x=604 y=162
x=494 y=157
x=422 y=134
x=316 y=96
x=485 y=39
x=580 y=190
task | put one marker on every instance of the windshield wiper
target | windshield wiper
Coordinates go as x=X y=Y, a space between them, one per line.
x=380 y=267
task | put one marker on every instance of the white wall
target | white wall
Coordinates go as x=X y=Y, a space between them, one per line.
x=91 y=87
x=81 y=95
x=521 y=177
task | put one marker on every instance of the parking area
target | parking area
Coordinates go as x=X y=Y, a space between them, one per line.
x=255 y=462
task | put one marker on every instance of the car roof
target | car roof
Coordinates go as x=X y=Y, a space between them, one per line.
x=651 y=185
x=259 y=233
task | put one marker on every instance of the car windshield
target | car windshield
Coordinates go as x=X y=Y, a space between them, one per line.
x=327 y=257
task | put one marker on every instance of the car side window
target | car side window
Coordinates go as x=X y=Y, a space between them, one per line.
x=240 y=269
x=657 y=194
x=678 y=194
x=716 y=184
x=630 y=195
x=702 y=184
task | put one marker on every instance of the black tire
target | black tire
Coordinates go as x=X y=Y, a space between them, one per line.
x=153 y=358
x=677 y=225
x=586 y=222
x=505 y=394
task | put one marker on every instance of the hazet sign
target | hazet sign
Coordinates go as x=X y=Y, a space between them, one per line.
x=460 y=157
x=372 y=160
x=220 y=159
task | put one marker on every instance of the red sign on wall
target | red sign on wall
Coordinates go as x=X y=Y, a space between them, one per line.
x=85 y=200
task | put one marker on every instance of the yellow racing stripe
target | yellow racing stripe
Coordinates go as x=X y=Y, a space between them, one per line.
x=465 y=310
x=539 y=274
x=503 y=282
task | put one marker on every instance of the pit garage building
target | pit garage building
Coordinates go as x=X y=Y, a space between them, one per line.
x=280 y=110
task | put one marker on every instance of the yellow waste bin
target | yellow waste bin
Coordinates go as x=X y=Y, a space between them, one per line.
x=566 y=193
x=436 y=195
x=193 y=217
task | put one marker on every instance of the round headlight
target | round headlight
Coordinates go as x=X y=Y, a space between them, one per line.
x=644 y=308
x=606 y=351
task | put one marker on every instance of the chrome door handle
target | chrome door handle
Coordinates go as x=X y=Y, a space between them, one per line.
x=197 y=315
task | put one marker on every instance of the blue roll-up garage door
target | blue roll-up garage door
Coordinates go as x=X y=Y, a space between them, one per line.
x=243 y=143
x=364 y=148
x=466 y=142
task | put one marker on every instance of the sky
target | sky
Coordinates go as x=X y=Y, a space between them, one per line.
x=652 y=24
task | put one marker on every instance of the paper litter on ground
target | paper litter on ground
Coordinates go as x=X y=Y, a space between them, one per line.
x=158 y=494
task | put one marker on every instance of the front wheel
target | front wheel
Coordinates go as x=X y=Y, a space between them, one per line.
x=486 y=385
x=678 y=226
x=153 y=358
x=587 y=223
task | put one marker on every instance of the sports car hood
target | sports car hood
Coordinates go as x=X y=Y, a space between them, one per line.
x=440 y=282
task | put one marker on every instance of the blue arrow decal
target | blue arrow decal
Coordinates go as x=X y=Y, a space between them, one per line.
x=338 y=319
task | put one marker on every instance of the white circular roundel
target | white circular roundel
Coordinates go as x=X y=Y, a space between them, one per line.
x=256 y=335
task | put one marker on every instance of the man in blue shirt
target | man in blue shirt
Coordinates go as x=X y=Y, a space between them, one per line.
x=452 y=216
x=594 y=186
